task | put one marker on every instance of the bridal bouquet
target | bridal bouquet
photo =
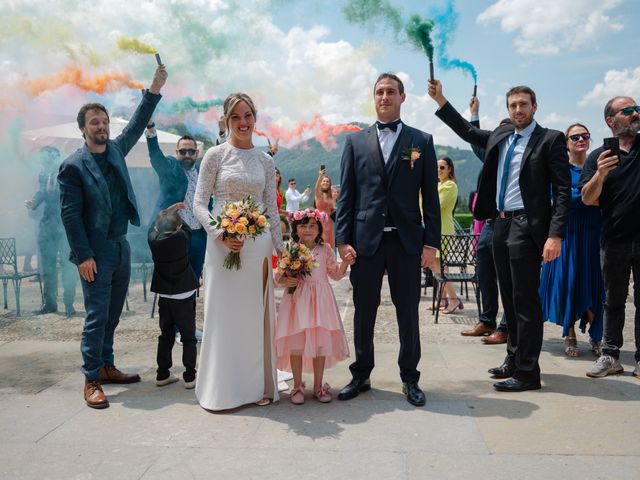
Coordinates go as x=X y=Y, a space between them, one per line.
x=241 y=219
x=297 y=261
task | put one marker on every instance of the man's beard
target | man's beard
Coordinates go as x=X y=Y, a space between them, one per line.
x=187 y=163
x=630 y=130
x=99 y=141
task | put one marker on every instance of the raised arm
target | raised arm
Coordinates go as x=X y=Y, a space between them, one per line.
x=134 y=129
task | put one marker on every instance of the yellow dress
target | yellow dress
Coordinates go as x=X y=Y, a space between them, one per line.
x=448 y=194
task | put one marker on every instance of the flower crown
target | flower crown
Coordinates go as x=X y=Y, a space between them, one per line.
x=321 y=217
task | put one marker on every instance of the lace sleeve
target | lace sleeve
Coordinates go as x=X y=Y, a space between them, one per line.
x=333 y=267
x=269 y=201
x=205 y=188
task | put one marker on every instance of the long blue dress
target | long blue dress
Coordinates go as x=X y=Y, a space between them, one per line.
x=572 y=283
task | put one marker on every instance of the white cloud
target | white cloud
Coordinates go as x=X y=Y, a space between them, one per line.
x=616 y=82
x=547 y=27
x=556 y=120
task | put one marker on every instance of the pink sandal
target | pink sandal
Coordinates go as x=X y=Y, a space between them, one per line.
x=297 y=394
x=324 y=394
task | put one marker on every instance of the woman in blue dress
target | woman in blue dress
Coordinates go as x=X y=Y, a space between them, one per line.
x=571 y=286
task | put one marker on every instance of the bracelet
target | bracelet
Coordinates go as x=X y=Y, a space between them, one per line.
x=151 y=125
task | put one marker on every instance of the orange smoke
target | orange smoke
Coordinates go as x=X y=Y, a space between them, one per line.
x=322 y=131
x=73 y=75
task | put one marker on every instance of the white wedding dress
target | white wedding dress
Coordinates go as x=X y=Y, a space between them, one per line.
x=237 y=363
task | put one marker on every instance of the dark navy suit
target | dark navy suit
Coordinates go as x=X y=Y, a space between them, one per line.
x=375 y=197
x=86 y=214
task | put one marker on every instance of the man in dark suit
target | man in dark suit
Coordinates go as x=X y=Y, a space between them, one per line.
x=386 y=170
x=97 y=203
x=525 y=185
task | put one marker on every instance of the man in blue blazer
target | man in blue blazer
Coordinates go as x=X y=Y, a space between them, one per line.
x=178 y=177
x=387 y=170
x=97 y=203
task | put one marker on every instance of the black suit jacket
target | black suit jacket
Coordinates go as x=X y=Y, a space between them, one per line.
x=369 y=191
x=172 y=272
x=545 y=179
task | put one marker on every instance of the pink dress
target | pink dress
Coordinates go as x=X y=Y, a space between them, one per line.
x=308 y=321
x=327 y=207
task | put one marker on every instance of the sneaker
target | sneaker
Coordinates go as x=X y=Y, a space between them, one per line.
x=605 y=365
x=636 y=371
x=178 y=339
x=190 y=385
x=198 y=334
x=166 y=381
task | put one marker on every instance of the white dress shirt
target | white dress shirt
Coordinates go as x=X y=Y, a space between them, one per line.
x=513 y=197
x=387 y=139
x=294 y=197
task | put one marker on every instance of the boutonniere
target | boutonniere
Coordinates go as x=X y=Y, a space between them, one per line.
x=411 y=155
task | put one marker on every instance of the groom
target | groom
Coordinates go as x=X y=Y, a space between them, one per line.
x=386 y=170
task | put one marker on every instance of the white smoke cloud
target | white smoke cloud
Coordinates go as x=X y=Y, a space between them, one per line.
x=616 y=82
x=547 y=27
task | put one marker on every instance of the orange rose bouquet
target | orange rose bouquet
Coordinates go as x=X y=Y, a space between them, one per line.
x=241 y=219
x=297 y=261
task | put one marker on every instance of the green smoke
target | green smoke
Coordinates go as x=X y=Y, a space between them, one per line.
x=418 y=31
x=365 y=12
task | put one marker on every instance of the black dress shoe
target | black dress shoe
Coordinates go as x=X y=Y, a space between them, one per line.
x=515 y=385
x=46 y=309
x=503 y=371
x=415 y=396
x=354 y=388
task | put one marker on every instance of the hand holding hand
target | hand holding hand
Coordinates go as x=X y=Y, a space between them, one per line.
x=347 y=253
x=159 y=79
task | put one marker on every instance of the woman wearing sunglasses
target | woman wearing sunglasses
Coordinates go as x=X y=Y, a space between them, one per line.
x=571 y=286
x=448 y=196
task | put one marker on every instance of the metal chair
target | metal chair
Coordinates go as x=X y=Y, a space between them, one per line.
x=457 y=264
x=9 y=257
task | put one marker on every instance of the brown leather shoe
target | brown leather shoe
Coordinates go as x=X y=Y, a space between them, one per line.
x=478 y=331
x=93 y=394
x=496 y=338
x=110 y=374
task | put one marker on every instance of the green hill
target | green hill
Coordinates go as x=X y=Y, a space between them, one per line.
x=303 y=161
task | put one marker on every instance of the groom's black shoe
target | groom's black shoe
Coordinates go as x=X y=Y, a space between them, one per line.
x=515 y=385
x=503 y=371
x=354 y=388
x=415 y=396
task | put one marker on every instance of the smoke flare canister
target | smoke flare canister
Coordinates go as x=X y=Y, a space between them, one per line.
x=158 y=59
x=431 y=70
x=475 y=91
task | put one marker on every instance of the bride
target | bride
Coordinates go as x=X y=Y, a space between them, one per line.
x=237 y=360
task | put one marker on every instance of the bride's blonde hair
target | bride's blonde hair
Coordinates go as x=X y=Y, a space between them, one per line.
x=233 y=100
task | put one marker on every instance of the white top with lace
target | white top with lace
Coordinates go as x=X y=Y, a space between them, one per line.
x=231 y=174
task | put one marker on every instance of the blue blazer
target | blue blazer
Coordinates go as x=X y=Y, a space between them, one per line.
x=369 y=190
x=84 y=195
x=173 y=180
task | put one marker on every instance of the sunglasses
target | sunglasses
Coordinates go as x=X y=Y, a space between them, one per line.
x=441 y=167
x=578 y=136
x=628 y=111
x=185 y=151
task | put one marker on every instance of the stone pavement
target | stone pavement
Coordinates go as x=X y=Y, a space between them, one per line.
x=575 y=427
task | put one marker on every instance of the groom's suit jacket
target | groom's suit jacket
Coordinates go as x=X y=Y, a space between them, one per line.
x=545 y=181
x=371 y=191
x=84 y=193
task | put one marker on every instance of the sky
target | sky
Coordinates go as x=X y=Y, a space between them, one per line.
x=306 y=66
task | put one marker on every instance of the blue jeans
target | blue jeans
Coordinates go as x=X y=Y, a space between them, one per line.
x=197 y=249
x=103 y=302
x=487 y=279
x=619 y=259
